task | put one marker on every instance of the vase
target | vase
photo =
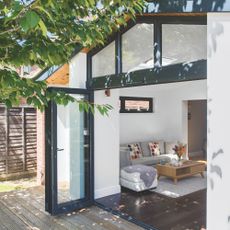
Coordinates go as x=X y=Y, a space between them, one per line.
x=180 y=163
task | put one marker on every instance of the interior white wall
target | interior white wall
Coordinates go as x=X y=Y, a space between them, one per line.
x=218 y=199
x=106 y=147
x=169 y=120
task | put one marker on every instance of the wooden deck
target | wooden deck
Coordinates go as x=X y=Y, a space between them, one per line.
x=164 y=213
x=25 y=210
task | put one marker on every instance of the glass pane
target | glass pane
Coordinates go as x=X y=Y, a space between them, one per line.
x=137 y=48
x=183 y=43
x=71 y=153
x=103 y=63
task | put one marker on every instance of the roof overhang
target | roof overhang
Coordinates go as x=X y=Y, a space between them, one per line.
x=60 y=76
x=49 y=71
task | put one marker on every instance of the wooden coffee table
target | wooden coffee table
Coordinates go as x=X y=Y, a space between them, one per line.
x=188 y=169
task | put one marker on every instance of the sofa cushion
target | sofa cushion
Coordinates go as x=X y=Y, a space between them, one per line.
x=161 y=145
x=151 y=160
x=145 y=148
x=154 y=148
x=135 y=151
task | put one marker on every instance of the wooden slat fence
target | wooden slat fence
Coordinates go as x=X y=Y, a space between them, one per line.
x=18 y=141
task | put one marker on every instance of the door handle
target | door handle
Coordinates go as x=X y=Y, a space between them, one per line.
x=59 y=149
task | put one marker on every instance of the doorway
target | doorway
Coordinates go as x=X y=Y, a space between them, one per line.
x=69 y=164
x=166 y=126
x=197 y=129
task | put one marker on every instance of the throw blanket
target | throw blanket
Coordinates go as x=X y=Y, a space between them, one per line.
x=147 y=173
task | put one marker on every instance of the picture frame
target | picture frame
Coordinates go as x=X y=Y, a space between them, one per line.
x=136 y=104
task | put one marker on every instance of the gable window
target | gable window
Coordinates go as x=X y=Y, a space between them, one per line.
x=137 y=48
x=153 y=42
x=183 y=43
x=136 y=105
x=103 y=62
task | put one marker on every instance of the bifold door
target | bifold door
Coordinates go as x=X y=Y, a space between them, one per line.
x=69 y=159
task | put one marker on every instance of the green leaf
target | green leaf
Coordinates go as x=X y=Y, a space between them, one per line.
x=81 y=108
x=8 y=103
x=45 y=33
x=92 y=110
x=100 y=109
x=86 y=106
x=43 y=28
x=41 y=8
x=29 y=21
x=29 y=100
x=109 y=107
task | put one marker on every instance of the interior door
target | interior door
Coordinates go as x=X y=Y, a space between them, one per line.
x=69 y=158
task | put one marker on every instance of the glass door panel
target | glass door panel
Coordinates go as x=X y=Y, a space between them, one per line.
x=71 y=154
x=68 y=166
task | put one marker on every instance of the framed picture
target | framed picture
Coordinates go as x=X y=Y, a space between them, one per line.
x=136 y=105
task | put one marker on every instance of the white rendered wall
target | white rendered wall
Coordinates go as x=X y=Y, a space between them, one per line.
x=218 y=200
x=106 y=149
x=77 y=71
x=169 y=120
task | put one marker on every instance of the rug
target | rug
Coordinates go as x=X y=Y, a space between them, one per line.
x=183 y=187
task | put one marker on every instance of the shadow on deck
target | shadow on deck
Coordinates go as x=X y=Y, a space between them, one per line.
x=25 y=210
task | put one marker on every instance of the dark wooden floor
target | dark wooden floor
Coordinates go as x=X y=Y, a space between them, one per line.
x=161 y=212
x=21 y=210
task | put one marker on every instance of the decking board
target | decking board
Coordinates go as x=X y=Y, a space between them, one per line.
x=8 y=220
x=25 y=210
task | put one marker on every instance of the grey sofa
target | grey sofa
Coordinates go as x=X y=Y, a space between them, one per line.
x=165 y=156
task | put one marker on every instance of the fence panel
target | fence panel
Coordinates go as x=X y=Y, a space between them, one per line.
x=18 y=141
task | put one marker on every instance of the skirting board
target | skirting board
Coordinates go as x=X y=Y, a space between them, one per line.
x=99 y=193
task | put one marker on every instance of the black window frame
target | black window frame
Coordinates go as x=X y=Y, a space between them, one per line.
x=157 y=21
x=123 y=99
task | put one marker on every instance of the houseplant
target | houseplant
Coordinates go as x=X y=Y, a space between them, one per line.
x=180 y=150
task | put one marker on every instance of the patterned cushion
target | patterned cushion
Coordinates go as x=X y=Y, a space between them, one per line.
x=154 y=148
x=145 y=149
x=135 y=151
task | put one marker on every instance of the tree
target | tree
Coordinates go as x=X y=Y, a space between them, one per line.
x=46 y=33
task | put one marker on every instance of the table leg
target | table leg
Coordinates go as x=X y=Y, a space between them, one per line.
x=202 y=174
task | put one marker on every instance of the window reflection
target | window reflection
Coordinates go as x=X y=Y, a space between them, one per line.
x=183 y=43
x=137 y=48
x=103 y=63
